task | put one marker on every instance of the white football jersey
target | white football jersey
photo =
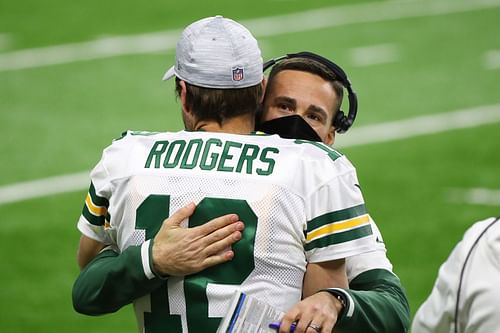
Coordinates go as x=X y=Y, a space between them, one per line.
x=300 y=202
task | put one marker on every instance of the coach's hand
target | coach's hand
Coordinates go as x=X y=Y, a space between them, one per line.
x=317 y=313
x=179 y=251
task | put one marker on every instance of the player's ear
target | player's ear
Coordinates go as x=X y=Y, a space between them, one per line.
x=187 y=114
x=182 y=97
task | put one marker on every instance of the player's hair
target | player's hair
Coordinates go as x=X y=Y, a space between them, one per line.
x=310 y=66
x=221 y=104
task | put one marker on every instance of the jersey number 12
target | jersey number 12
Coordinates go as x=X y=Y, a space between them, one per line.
x=150 y=216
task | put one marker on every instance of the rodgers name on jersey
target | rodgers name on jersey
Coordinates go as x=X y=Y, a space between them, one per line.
x=210 y=154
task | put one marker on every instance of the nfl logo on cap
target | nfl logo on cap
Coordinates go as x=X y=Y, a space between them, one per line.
x=217 y=53
x=238 y=74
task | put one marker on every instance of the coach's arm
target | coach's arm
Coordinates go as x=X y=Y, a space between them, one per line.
x=111 y=281
x=375 y=303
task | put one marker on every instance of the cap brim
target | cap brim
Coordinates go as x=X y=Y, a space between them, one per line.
x=169 y=74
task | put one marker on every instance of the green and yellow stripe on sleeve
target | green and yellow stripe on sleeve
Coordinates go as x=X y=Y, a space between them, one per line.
x=95 y=209
x=338 y=227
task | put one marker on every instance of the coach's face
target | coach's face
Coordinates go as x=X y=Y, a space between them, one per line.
x=304 y=94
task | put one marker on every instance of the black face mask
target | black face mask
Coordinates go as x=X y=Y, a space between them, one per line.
x=289 y=127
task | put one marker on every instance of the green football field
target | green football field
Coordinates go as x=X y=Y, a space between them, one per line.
x=74 y=75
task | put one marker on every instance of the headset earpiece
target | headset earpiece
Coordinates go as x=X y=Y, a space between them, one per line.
x=341 y=122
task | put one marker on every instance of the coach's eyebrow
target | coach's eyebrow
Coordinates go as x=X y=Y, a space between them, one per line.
x=285 y=100
x=318 y=110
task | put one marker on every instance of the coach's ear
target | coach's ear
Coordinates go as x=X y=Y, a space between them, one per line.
x=263 y=84
x=330 y=137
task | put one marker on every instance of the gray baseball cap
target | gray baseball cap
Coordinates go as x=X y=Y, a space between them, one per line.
x=217 y=52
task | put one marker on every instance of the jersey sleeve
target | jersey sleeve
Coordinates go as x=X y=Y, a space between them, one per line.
x=95 y=217
x=339 y=225
x=377 y=259
x=375 y=301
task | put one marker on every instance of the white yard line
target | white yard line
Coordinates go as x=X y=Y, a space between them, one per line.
x=422 y=125
x=44 y=187
x=492 y=59
x=374 y=55
x=357 y=136
x=261 y=27
x=475 y=196
x=98 y=49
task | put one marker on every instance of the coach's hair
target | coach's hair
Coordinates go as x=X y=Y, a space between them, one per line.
x=221 y=104
x=310 y=66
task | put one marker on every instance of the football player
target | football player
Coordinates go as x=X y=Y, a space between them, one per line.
x=302 y=210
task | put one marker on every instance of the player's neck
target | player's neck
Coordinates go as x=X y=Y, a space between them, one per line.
x=236 y=125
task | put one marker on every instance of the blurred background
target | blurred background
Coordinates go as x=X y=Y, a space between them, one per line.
x=74 y=75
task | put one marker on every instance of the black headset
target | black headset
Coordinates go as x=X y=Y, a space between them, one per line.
x=341 y=122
